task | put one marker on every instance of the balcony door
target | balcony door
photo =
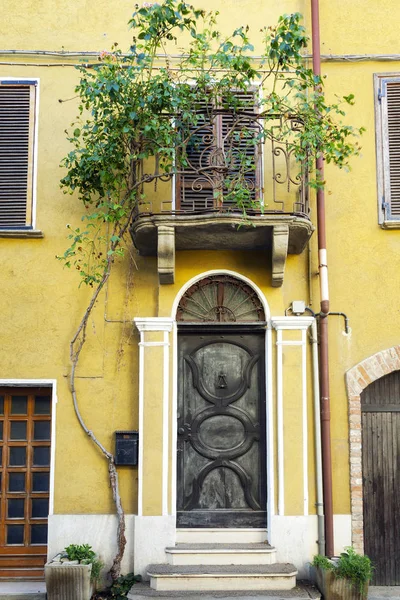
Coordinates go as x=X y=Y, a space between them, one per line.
x=25 y=432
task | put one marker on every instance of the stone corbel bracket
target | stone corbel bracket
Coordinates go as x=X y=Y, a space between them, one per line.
x=280 y=242
x=166 y=254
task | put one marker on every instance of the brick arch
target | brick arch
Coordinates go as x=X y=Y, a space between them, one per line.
x=357 y=379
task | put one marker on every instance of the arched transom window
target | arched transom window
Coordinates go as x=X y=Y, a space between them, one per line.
x=220 y=299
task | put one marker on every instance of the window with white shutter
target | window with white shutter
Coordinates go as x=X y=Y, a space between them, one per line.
x=387 y=89
x=17 y=135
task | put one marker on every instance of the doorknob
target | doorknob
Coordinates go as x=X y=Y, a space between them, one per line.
x=181 y=430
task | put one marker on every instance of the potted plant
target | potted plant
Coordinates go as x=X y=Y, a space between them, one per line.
x=346 y=578
x=72 y=574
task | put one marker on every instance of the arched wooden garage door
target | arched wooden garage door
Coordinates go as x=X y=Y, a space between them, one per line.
x=380 y=406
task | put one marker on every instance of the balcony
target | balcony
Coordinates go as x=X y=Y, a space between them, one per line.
x=200 y=212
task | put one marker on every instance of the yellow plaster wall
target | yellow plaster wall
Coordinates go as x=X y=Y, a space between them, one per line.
x=152 y=427
x=63 y=25
x=41 y=303
x=293 y=430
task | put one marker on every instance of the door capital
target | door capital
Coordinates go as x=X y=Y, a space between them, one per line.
x=154 y=323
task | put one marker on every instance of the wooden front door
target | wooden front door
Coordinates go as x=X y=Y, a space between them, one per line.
x=221 y=427
x=25 y=428
x=380 y=406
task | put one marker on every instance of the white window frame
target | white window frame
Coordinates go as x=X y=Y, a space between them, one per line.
x=382 y=155
x=35 y=81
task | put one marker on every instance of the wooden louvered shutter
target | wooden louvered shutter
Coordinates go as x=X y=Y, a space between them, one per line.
x=245 y=147
x=390 y=106
x=193 y=191
x=17 y=120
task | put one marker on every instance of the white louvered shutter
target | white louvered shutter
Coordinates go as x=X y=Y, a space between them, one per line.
x=390 y=107
x=17 y=118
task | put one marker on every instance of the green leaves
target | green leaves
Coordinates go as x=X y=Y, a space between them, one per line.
x=80 y=552
x=120 y=588
x=354 y=567
x=138 y=113
x=349 y=99
x=86 y=556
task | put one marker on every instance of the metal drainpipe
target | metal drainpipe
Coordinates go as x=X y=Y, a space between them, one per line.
x=324 y=294
x=318 y=445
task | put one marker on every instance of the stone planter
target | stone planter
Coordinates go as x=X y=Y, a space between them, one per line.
x=66 y=581
x=333 y=588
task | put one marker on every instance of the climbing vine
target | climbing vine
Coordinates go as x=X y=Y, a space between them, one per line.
x=140 y=111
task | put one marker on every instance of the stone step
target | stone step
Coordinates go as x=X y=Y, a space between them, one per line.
x=279 y=576
x=302 y=591
x=221 y=536
x=22 y=590
x=22 y=573
x=23 y=596
x=221 y=554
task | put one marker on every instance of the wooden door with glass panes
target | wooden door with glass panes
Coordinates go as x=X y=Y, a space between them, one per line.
x=25 y=428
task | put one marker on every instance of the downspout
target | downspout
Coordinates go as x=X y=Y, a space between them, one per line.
x=324 y=295
x=318 y=445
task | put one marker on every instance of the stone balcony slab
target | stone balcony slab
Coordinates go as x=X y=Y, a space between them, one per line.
x=164 y=233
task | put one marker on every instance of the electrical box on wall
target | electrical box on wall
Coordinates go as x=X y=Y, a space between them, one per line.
x=298 y=307
x=126 y=448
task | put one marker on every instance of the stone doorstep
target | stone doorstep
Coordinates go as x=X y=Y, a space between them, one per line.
x=250 y=547
x=196 y=535
x=302 y=591
x=22 y=590
x=170 y=570
x=221 y=554
x=22 y=596
x=383 y=592
x=278 y=576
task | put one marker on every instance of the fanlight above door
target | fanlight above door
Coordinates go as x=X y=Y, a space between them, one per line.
x=220 y=299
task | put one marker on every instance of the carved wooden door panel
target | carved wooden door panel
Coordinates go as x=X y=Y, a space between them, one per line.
x=221 y=428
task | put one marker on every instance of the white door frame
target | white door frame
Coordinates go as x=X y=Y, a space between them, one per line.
x=268 y=388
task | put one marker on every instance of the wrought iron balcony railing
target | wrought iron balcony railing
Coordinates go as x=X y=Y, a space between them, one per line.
x=238 y=187
x=238 y=163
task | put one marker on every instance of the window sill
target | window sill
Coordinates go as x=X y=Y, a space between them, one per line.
x=390 y=224
x=21 y=233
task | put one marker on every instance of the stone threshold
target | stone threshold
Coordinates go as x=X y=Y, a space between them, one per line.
x=22 y=590
x=302 y=591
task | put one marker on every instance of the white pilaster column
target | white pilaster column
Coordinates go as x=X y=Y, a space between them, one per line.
x=154 y=355
x=282 y=324
x=155 y=519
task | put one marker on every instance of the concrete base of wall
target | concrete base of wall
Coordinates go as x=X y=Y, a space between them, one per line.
x=341 y=532
x=100 y=531
x=152 y=536
x=295 y=539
